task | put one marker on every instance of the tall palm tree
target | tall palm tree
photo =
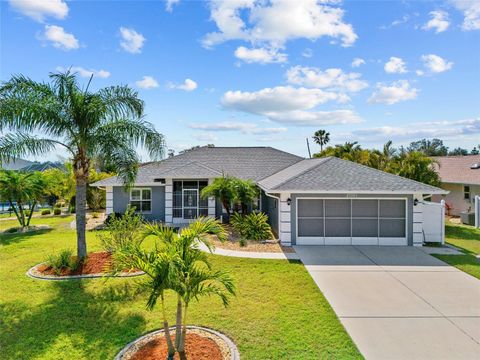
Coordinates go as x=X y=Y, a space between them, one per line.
x=222 y=188
x=245 y=193
x=321 y=137
x=107 y=122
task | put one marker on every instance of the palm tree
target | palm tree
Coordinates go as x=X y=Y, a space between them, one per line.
x=87 y=124
x=245 y=192
x=177 y=263
x=321 y=137
x=222 y=188
x=21 y=189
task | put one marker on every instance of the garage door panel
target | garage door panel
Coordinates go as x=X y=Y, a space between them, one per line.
x=365 y=241
x=337 y=227
x=392 y=228
x=337 y=208
x=310 y=208
x=338 y=241
x=365 y=228
x=392 y=208
x=310 y=227
x=365 y=208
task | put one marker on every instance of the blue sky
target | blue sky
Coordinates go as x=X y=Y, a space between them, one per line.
x=267 y=73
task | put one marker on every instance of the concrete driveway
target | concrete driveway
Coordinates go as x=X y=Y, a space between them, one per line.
x=398 y=302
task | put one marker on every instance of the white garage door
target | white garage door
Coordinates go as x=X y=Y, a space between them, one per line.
x=351 y=221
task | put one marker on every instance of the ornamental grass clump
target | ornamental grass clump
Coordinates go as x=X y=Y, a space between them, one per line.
x=253 y=226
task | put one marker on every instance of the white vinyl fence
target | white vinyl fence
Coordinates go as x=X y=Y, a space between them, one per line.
x=434 y=222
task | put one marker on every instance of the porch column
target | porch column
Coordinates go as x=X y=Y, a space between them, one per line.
x=168 y=201
x=285 y=228
x=211 y=202
x=109 y=198
x=418 y=221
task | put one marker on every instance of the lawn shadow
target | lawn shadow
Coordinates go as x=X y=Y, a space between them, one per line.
x=7 y=239
x=91 y=322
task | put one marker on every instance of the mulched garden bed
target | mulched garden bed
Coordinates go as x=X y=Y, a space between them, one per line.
x=200 y=344
x=233 y=243
x=95 y=265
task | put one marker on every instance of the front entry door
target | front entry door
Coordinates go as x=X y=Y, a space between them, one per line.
x=190 y=203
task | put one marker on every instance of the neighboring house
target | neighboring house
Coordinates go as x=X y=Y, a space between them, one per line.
x=25 y=165
x=460 y=175
x=308 y=201
x=16 y=164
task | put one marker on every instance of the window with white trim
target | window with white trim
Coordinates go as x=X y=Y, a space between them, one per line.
x=141 y=200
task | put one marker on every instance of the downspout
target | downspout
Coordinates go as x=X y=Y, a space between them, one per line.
x=278 y=210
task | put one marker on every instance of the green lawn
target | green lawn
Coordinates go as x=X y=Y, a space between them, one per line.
x=279 y=313
x=467 y=239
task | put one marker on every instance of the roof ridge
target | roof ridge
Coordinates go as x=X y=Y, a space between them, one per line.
x=325 y=159
x=385 y=172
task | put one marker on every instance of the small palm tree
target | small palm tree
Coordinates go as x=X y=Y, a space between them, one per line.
x=245 y=192
x=321 y=137
x=177 y=263
x=87 y=124
x=222 y=188
x=21 y=189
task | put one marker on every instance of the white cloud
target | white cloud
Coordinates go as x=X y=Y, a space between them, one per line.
x=188 y=85
x=260 y=55
x=357 y=62
x=395 y=66
x=439 y=21
x=169 y=4
x=244 y=128
x=132 y=41
x=471 y=13
x=86 y=72
x=60 y=38
x=398 y=91
x=436 y=64
x=307 y=53
x=420 y=130
x=276 y=22
x=404 y=19
x=207 y=137
x=419 y=72
x=334 y=79
x=147 y=82
x=289 y=105
x=38 y=10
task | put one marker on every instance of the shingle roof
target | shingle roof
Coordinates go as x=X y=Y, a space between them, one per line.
x=456 y=169
x=253 y=163
x=16 y=164
x=335 y=175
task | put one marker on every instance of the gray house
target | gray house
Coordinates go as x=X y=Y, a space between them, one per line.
x=322 y=201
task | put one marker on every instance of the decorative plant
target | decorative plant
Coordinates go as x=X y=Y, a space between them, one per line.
x=87 y=124
x=21 y=189
x=245 y=192
x=61 y=261
x=222 y=188
x=122 y=231
x=253 y=226
x=177 y=263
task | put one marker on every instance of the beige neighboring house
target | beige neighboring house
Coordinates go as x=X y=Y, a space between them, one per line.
x=461 y=176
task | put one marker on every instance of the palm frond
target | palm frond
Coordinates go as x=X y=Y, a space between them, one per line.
x=122 y=102
x=15 y=145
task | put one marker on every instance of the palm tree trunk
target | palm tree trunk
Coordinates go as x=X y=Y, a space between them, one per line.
x=178 y=325
x=15 y=211
x=31 y=213
x=181 y=348
x=166 y=328
x=22 y=214
x=80 y=216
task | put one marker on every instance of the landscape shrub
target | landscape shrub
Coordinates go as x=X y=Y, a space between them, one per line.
x=26 y=212
x=122 y=230
x=11 y=230
x=253 y=226
x=46 y=212
x=61 y=261
x=57 y=211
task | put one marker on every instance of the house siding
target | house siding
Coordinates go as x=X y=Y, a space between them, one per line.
x=455 y=199
x=121 y=199
x=293 y=210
